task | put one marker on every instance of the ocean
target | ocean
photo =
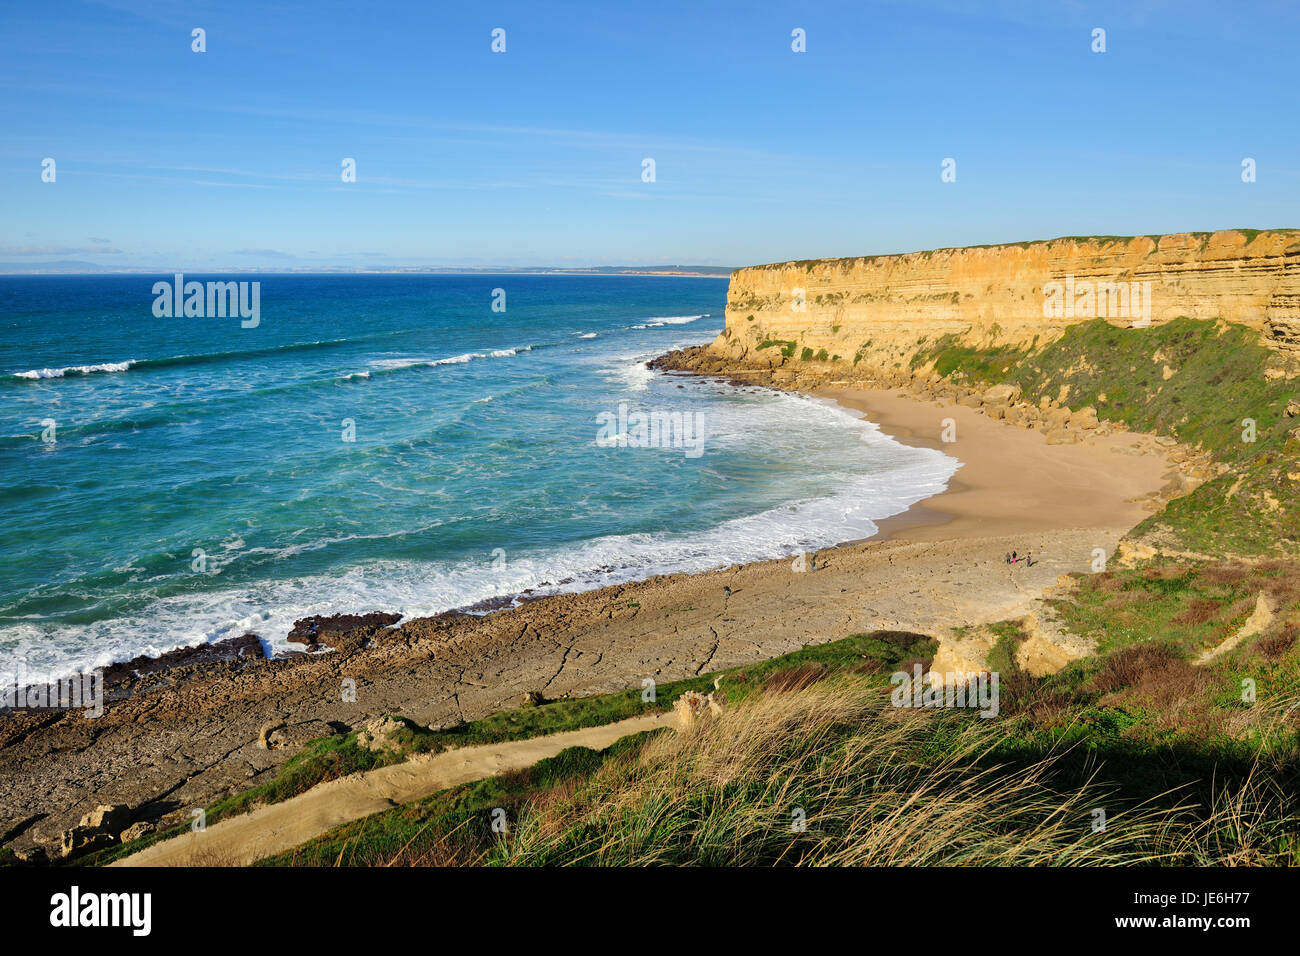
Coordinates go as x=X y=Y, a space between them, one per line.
x=388 y=442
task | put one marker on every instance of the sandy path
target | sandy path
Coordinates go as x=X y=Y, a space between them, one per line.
x=273 y=829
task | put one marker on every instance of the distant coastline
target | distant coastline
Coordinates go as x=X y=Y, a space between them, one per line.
x=90 y=268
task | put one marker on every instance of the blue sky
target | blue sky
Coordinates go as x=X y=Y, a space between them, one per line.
x=171 y=159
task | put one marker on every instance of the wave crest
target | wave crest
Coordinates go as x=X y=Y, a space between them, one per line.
x=36 y=374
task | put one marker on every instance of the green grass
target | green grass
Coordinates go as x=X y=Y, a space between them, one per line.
x=787 y=347
x=969 y=363
x=453 y=824
x=1002 y=656
x=1192 y=605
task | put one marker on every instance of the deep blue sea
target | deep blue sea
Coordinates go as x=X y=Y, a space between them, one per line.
x=385 y=442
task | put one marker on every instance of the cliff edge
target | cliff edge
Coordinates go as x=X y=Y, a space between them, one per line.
x=877 y=309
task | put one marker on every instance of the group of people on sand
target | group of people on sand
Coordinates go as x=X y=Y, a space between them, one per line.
x=1027 y=560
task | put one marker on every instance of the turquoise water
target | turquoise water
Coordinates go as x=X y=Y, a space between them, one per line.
x=200 y=485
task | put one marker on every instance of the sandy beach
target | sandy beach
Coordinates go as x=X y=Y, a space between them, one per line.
x=183 y=738
x=1011 y=480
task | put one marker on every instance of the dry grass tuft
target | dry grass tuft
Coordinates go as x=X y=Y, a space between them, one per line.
x=1274 y=647
x=795 y=678
x=1284 y=588
x=877 y=785
x=456 y=847
x=1198 y=611
x=1165 y=572
x=1106 y=581
x=1130 y=665
x=1224 y=574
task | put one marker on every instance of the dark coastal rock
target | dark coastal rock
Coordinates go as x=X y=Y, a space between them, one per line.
x=486 y=606
x=689 y=359
x=336 y=630
x=245 y=647
x=32 y=855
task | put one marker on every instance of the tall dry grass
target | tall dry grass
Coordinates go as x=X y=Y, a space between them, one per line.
x=879 y=786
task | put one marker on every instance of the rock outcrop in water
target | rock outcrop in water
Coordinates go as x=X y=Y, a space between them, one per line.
x=335 y=629
x=864 y=318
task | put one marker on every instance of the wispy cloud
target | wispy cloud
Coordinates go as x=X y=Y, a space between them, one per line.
x=263 y=253
x=56 y=250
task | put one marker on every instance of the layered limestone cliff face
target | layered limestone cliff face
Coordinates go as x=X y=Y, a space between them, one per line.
x=875 y=310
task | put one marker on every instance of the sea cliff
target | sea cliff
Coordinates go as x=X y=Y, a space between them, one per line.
x=866 y=317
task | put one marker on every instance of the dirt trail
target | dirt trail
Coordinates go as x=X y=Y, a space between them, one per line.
x=245 y=839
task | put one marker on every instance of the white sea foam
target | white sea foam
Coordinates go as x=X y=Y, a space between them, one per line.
x=461 y=359
x=662 y=320
x=40 y=373
x=637 y=375
x=471 y=356
x=866 y=488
